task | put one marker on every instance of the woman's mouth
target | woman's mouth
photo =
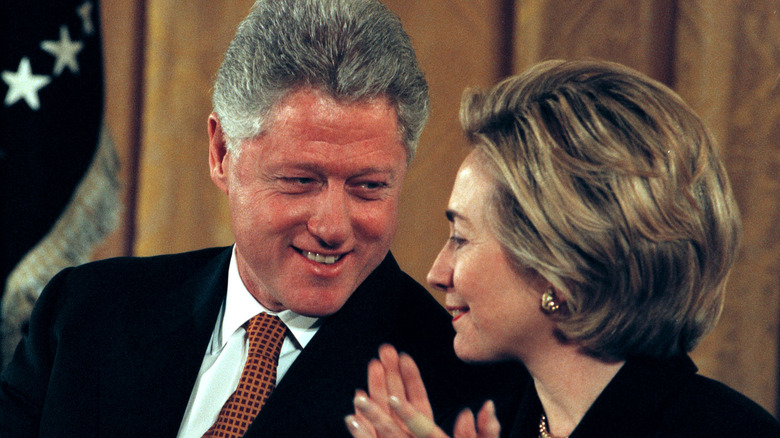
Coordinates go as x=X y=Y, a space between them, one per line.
x=457 y=312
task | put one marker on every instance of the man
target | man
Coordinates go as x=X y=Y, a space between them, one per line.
x=318 y=107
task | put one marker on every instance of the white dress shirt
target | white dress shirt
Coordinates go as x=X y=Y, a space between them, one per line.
x=227 y=351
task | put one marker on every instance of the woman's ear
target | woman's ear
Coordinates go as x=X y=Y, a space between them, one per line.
x=218 y=153
x=552 y=301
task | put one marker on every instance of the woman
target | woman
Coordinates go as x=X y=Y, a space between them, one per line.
x=592 y=231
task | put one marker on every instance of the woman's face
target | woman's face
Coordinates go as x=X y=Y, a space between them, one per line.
x=495 y=309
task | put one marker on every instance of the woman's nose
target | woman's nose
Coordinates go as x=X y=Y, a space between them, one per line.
x=440 y=275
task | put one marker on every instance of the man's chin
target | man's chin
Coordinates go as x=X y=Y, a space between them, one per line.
x=319 y=308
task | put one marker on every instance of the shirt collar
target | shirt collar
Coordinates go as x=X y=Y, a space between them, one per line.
x=240 y=306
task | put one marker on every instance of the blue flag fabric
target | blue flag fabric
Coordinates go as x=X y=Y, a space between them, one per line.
x=51 y=137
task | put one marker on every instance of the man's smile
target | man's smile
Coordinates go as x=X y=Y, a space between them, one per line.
x=321 y=258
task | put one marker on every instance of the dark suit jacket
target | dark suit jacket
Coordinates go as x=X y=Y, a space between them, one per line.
x=654 y=399
x=114 y=348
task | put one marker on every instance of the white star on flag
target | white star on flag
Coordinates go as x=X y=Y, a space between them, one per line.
x=65 y=50
x=24 y=85
x=85 y=12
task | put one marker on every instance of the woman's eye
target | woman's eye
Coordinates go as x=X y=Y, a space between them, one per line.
x=457 y=241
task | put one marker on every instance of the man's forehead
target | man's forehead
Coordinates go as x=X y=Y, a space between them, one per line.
x=322 y=103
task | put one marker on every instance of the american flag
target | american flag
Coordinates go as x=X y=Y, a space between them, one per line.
x=57 y=167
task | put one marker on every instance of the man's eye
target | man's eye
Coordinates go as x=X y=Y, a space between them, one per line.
x=372 y=185
x=302 y=181
x=369 y=190
x=296 y=184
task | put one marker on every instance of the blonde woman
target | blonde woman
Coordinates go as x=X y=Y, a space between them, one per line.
x=592 y=232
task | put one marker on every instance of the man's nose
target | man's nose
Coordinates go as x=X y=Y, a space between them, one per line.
x=330 y=221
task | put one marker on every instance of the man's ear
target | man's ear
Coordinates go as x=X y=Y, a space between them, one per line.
x=218 y=153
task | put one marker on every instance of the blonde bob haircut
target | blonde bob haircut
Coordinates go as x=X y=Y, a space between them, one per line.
x=610 y=187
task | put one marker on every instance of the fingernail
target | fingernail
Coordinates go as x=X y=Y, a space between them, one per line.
x=394 y=402
x=491 y=407
x=352 y=424
x=361 y=402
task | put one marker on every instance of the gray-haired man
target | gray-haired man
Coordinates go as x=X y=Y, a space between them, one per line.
x=318 y=107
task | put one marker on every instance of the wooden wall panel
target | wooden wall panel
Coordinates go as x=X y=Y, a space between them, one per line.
x=635 y=33
x=457 y=44
x=179 y=208
x=122 y=25
x=727 y=69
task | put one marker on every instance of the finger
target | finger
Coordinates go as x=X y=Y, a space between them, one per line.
x=487 y=423
x=414 y=385
x=464 y=425
x=381 y=421
x=361 y=419
x=389 y=358
x=359 y=428
x=377 y=383
x=418 y=424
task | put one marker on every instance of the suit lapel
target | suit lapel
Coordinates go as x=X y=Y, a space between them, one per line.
x=151 y=370
x=317 y=390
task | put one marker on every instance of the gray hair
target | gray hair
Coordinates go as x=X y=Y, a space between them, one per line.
x=351 y=49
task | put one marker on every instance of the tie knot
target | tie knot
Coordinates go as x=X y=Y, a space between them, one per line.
x=265 y=322
x=265 y=333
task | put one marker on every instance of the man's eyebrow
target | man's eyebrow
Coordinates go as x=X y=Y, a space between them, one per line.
x=374 y=170
x=317 y=167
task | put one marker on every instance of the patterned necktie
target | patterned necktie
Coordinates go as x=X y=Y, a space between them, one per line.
x=265 y=334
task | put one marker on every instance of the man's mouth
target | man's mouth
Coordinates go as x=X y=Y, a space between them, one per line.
x=320 y=258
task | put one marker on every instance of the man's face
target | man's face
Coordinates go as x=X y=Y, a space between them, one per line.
x=313 y=200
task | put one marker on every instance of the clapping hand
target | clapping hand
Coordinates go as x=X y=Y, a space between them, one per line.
x=397 y=405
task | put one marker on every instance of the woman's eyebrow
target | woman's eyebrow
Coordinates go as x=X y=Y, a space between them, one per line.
x=452 y=215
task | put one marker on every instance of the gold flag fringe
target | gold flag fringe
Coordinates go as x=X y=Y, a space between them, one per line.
x=89 y=217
